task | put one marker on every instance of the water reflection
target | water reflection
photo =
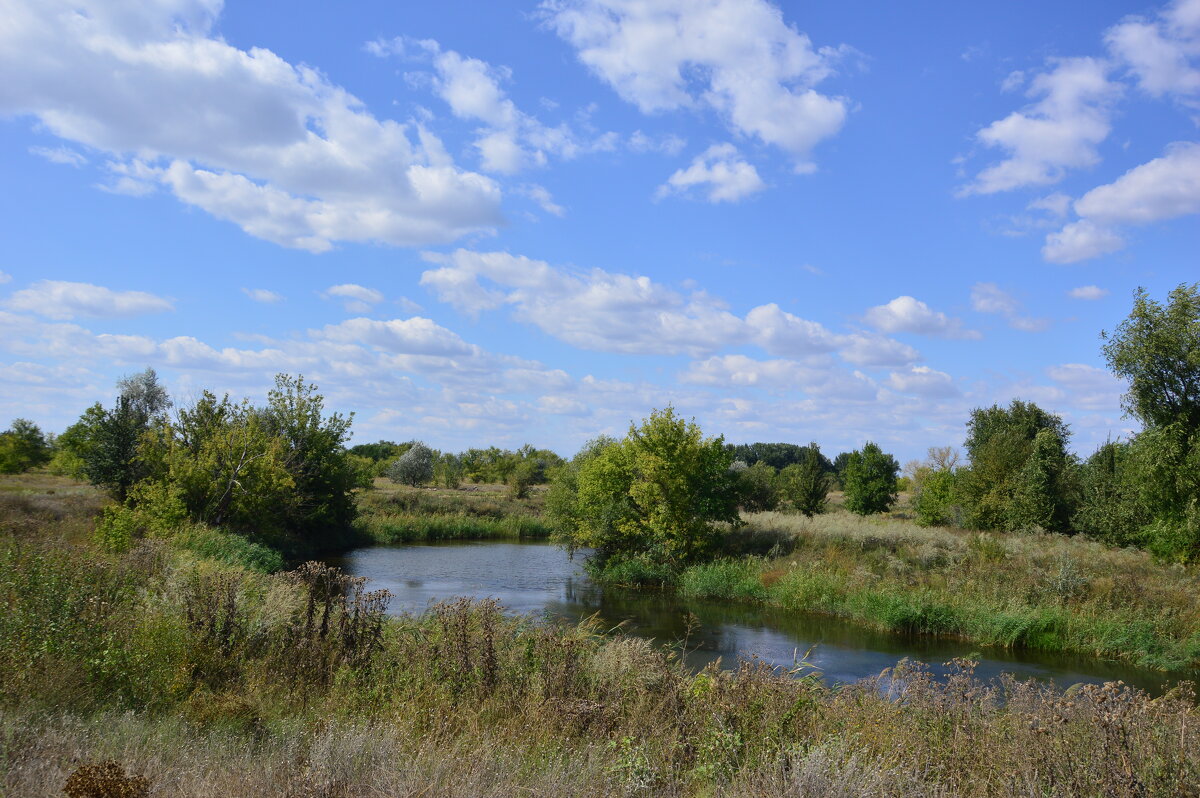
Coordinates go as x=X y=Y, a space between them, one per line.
x=537 y=578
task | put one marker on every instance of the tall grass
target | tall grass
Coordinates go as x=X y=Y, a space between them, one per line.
x=205 y=679
x=1035 y=591
x=392 y=514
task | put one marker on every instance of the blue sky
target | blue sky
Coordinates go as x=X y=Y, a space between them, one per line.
x=498 y=223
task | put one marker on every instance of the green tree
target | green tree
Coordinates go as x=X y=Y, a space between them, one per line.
x=110 y=458
x=869 y=480
x=656 y=496
x=414 y=467
x=316 y=458
x=1041 y=491
x=1000 y=441
x=73 y=447
x=756 y=486
x=22 y=447
x=806 y=483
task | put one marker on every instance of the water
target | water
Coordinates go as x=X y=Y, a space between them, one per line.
x=540 y=579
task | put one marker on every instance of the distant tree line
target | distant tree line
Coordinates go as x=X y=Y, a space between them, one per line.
x=414 y=463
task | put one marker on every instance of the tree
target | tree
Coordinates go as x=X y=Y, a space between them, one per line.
x=1157 y=349
x=22 y=447
x=74 y=446
x=1000 y=441
x=415 y=466
x=110 y=454
x=1041 y=497
x=806 y=483
x=756 y=485
x=315 y=456
x=657 y=495
x=869 y=480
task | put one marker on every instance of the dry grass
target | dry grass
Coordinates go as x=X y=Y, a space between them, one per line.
x=38 y=504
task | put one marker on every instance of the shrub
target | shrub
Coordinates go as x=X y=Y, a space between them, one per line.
x=870 y=480
x=415 y=467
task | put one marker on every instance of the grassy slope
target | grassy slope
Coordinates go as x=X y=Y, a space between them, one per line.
x=1038 y=591
x=391 y=513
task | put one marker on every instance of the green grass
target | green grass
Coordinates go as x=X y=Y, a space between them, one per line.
x=390 y=514
x=1044 y=592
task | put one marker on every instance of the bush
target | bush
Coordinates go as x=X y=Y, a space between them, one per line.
x=870 y=480
x=757 y=487
x=415 y=467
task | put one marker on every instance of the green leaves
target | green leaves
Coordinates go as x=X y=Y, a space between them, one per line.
x=869 y=480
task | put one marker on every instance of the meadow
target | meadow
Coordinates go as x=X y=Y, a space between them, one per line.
x=190 y=665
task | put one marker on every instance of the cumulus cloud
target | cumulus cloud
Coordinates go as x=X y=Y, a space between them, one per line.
x=923 y=381
x=667 y=144
x=736 y=57
x=907 y=314
x=543 y=198
x=270 y=146
x=510 y=139
x=1161 y=189
x=58 y=299
x=262 y=295
x=730 y=371
x=355 y=298
x=1059 y=131
x=1162 y=53
x=1088 y=292
x=719 y=172
x=632 y=314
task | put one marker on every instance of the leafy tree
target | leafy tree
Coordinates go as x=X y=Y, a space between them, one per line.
x=415 y=466
x=776 y=455
x=73 y=447
x=1157 y=349
x=1000 y=442
x=869 y=480
x=1111 y=507
x=839 y=468
x=936 y=501
x=22 y=447
x=656 y=496
x=448 y=470
x=110 y=457
x=756 y=486
x=314 y=454
x=1041 y=493
x=806 y=483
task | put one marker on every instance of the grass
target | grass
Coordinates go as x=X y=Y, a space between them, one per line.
x=391 y=513
x=1047 y=592
x=192 y=677
x=180 y=668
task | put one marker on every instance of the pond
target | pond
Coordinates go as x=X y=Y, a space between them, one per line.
x=541 y=579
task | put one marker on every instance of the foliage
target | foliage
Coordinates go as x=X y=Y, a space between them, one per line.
x=869 y=480
x=22 y=447
x=314 y=454
x=108 y=441
x=777 y=455
x=657 y=494
x=414 y=467
x=806 y=483
x=936 y=501
x=756 y=486
x=526 y=474
x=1157 y=349
x=1000 y=442
x=448 y=470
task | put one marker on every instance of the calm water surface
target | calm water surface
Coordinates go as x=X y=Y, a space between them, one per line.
x=540 y=579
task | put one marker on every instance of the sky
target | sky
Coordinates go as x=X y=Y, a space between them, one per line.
x=496 y=223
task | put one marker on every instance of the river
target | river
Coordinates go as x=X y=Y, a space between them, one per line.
x=541 y=579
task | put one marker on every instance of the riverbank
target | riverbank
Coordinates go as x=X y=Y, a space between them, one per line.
x=196 y=677
x=389 y=513
x=1037 y=591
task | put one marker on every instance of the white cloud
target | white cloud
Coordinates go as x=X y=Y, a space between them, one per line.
x=1164 y=53
x=415 y=336
x=1087 y=387
x=991 y=298
x=1161 y=189
x=730 y=371
x=60 y=155
x=58 y=299
x=1088 y=292
x=611 y=312
x=720 y=172
x=1058 y=132
x=1080 y=240
x=355 y=298
x=273 y=147
x=736 y=57
x=262 y=295
x=543 y=198
x=1056 y=204
x=5 y=277
x=906 y=314
x=511 y=140
x=923 y=381
x=668 y=144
